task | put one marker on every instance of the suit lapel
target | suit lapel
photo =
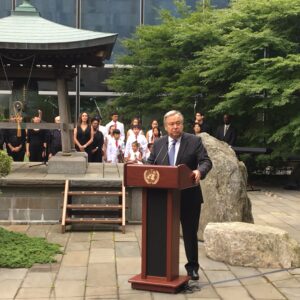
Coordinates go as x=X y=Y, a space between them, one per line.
x=183 y=144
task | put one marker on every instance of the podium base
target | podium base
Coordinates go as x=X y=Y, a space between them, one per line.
x=159 y=284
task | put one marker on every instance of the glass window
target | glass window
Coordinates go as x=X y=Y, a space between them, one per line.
x=5 y=8
x=119 y=16
x=152 y=8
x=62 y=12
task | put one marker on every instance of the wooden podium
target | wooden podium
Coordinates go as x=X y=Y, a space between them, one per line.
x=160 y=224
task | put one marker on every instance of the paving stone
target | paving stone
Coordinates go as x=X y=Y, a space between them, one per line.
x=34 y=293
x=254 y=276
x=218 y=278
x=38 y=280
x=101 y=275
x=72 y=273
x=12 y=273
x=80 y=237
x=103 y=292
x=69 y=288
x=128 y=265
x=295 y=271
x=102 y=244
x=9 y=288
x=45 y=268
x=128 y=237
x=233 y=292
x=125 y=287
x=98 y=236
x=163 y=296
x=287 y=283
x=291 y=293
x=205 y=292
x=264 y=291
x=102 y=255
x=281 y=275
x=78 y=246
x=75 y=259
x=127 y=249
x=138 y=296
x=17 y=228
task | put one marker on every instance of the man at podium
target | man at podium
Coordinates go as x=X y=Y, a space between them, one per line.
x=179 y=147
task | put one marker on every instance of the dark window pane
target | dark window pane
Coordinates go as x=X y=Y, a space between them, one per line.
x=62 y=12
x=119 y=16
x=5 y=8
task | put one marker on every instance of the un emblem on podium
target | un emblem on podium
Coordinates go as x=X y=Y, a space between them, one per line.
x=151 y=176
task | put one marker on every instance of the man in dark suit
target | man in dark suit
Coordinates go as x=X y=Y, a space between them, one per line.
x=175 y=148
x=226 y=132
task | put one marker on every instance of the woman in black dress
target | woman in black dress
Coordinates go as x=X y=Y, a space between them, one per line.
x=36 y=142
x=97 y=145
x=15 y=140
x=83 y=135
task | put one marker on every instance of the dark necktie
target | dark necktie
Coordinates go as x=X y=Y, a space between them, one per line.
x=172 y=153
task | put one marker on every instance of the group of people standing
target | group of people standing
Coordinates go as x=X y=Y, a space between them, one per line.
x=36 y=144
x=110 y=143
x=226 y=132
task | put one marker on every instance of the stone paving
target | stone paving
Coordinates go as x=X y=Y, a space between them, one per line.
x=98 y=264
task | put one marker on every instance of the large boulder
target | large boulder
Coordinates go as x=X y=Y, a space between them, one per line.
x=225 y=187
x=249 y=245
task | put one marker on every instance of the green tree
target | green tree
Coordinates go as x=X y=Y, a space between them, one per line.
x=243 y=60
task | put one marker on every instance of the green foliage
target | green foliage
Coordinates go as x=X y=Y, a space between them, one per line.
x=5 y=163
x=243 y=60
x=20 y=251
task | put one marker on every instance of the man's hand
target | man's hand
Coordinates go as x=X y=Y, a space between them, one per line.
x=197 y=176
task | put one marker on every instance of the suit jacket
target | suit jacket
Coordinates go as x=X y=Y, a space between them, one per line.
x=191 y=153
x=230 y=136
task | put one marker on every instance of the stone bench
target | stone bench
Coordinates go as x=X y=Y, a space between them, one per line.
x=250 y=245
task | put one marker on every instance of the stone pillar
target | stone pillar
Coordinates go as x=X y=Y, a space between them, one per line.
x=65 y=115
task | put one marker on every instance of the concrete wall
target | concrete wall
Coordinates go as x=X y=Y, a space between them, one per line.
x=42 y=204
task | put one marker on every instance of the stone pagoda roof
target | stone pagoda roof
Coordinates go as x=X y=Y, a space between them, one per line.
x=26 y=32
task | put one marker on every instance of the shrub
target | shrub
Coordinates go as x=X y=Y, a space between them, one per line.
x=5 y=163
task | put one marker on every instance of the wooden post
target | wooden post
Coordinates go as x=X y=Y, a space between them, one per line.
x=65 y=115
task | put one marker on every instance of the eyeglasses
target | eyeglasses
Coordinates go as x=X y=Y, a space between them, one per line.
x=178 y=123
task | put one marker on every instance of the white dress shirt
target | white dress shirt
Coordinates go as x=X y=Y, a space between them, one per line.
x=119 y=126
x=141 y=139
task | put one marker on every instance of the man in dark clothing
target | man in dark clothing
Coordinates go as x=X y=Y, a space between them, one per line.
x=55 y=139
x=175 y=148
x=199 y=118
x=226 y=132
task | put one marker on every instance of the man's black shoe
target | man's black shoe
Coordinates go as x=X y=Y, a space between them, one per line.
x=193 y=274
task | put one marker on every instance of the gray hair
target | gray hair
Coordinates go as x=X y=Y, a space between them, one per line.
x=173 y=113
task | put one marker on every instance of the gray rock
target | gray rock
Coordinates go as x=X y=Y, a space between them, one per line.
x=225 y=187
x=249 y=245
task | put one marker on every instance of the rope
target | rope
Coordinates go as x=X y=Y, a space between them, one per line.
x=194 y=286
x=5 y=74
x=29 y=77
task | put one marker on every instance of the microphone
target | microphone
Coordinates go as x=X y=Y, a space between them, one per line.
x=169 y=146
x=159 y=154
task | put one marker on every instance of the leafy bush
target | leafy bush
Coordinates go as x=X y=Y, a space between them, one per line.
x=17 y=250
x=5 y=163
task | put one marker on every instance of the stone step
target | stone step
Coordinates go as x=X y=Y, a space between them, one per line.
x=94 y=193
x=93 y=220
x=94 y=206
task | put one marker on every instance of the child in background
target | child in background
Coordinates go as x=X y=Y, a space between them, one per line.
x=134 y=155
